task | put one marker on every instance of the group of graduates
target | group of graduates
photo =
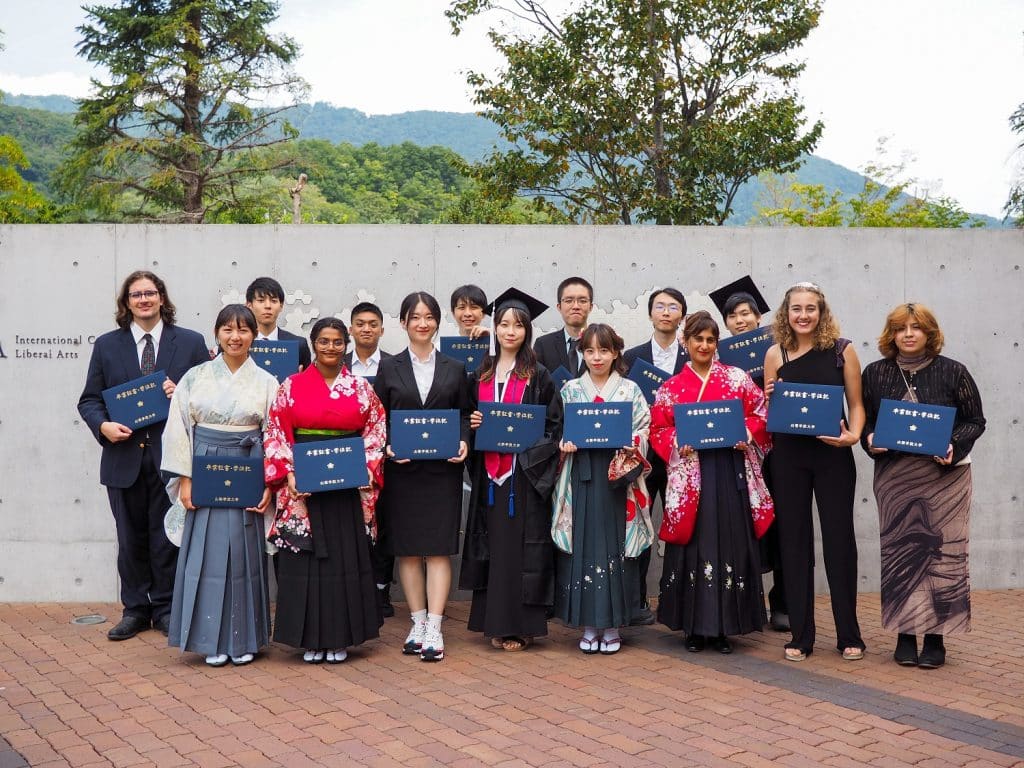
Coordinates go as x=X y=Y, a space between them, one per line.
x=557 y=530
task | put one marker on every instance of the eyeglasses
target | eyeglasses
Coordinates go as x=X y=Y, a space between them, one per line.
x=336 y=343
x=659 y=307
x=136 y=295
x=581 y=301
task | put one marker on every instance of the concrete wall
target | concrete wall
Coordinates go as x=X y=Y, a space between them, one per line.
x=59 y=283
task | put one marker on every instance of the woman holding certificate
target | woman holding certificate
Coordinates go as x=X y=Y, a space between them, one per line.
x=924 y=501
x=221 y=606
x=808 y=350
x=421 y=504
x=711 y=583
x=600 y=494
x=508 y=558
x=327 y=594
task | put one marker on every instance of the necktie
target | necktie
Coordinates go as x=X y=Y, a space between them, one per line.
x=574 y=367
x=148 y=356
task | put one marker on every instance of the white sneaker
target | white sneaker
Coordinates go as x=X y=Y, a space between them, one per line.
x=414 y=642
x=433 y=645
x=336 y=657
x=217 y=660
x=242 y=660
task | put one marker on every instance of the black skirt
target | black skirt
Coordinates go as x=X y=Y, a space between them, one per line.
x=420 y=508
x=328 y=598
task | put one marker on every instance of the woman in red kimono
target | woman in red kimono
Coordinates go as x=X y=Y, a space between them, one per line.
x=716 y=504
x=327 y=595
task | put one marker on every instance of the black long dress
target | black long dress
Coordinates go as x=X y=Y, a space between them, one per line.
x=508 y=560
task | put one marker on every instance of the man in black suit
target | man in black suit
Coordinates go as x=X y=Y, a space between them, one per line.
x=367 y=327
x=575 y=300
x=146 y=341
x=666 y=308
x=265 y=297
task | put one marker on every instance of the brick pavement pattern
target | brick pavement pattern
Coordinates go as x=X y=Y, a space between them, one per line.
x=69 y=697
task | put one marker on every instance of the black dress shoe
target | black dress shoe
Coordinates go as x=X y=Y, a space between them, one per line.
x=643 y=618
x=127 y=627
x=933 y=652
x=695 y=643
x=779 y=621
x=384 y=598
x=906 y=650
x=162 y=625
x=722 y=644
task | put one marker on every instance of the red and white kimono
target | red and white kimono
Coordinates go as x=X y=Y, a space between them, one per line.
x=682 y=496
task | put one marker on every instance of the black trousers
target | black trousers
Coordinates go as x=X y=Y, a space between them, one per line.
x=830 y=475
x=146 y=560
x=771 y=554
x=657 y=481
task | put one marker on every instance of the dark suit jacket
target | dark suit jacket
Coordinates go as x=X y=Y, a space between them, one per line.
x=305 y=358
x=643 y=352
x=115 y=360
x=395 y=385
x=348 y=359
x=552 y=351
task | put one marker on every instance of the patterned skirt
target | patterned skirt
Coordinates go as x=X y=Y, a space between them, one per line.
x=923 y=521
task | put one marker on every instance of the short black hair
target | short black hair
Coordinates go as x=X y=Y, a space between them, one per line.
x=328 y=322
x=409 y=304
x=239 y=314
x=474 y=294
x=366 y=306
x=264 y=286
x=733 y=303
x=575 y=281
x=675 y=293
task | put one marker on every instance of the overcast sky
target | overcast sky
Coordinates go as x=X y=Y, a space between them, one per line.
x=939 y=77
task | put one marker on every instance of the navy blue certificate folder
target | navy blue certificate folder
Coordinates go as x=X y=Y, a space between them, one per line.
x=914 y=427
x=227 y=481
x=278 y=358
x=330 y=465
x=599 y=425
x=648 y=377
x=561 y=375
x=711 y=424
x=469 y=351
x=509 y=428
x=806 y=409
x=747 y=350
x=139 y=402
x=430 y=435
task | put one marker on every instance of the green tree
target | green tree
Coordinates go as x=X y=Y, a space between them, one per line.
x=889 y=199
x=643 y=110
x=179 y=120
x=1015 y=202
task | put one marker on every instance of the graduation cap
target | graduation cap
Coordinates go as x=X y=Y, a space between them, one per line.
x=742 y=289
x=513 y=297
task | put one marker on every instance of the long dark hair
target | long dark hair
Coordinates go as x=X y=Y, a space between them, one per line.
x=603 y=335
x=526 y=360
x=123 y=316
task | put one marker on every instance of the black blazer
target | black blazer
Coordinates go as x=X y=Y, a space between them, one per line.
x=395 y=385
x=115 y=360
x=643 y=352
x=552 y=351
x=348 y=359
x=305 y=359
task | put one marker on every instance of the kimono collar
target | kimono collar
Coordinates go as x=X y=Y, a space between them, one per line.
x=610 y=387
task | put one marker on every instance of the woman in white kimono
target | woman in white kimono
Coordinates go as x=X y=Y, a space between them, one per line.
x=221 y=604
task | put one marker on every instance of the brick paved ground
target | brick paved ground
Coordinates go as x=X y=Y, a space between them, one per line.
x=70 y=697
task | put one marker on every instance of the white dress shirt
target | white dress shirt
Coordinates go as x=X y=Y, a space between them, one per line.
x=665 y=359
x=138 y=333
x=272 y=336
x=369 y=368
x=579 y=352
x=423 y=370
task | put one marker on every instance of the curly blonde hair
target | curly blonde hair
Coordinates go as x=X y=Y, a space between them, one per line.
x=825 y=335
x=902 y=315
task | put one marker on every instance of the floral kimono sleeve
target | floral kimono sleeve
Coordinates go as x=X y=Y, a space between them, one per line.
x=663 y=422
x=374 y=439
x=279 y=438
x=756 y=414
x=176 y=453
